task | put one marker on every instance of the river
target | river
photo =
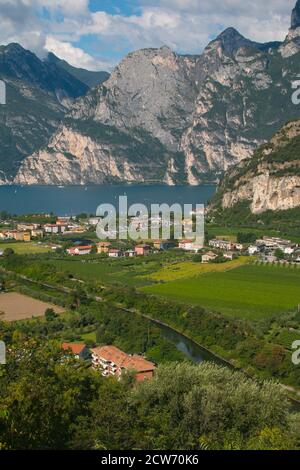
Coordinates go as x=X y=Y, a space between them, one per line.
x=188 y=347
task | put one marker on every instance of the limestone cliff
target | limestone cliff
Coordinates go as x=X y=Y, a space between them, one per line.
x=270 y=180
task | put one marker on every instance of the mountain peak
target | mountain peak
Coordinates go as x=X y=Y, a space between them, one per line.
x=231 y=40
x=231 y=33
x=296 y=16
x=22 y=64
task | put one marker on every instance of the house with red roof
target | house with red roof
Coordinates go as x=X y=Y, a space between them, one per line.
x=111 y=361
x=79 y=350
x=80 y=250
x=115 y=253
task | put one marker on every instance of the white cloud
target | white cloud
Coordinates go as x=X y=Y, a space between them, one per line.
x=185 y=25
x=74 y=55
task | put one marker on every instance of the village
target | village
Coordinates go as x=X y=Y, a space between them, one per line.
x=74 y=231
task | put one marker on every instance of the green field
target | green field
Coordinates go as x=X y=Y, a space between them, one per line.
x=130 y=272
x=22 y=248
x=250 y=291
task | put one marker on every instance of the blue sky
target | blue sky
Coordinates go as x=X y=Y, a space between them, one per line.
x=113 y=7
x=97 y=34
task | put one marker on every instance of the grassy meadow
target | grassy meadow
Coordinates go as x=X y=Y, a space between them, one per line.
x=249 y=291
x=22 y=248
x=130 y=272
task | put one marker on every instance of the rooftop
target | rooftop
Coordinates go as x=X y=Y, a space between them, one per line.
x=123 y=360
x=76 y=348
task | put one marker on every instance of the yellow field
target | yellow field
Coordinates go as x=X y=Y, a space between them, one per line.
x=189 y=269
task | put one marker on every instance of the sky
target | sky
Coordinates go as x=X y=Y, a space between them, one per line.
x=97 y=34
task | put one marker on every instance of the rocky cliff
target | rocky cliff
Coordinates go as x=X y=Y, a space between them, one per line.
x=39 y=93
x=270 y=180
x=205 y=113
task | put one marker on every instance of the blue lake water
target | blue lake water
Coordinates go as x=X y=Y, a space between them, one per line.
x=72 y=200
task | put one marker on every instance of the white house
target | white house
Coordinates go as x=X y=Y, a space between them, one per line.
x=52 y=228
x=130 y=254
x=288 y=250
x=186 y=244
x=252 y=250
x=210 y=256
x=239 y=246
x=114 y=253
x=221 y=244
x=94 y=221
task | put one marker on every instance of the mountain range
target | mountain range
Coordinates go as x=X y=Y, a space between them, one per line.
x=159 y=117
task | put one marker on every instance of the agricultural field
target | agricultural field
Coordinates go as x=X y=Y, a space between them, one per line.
x=129 y=272
x=15 y=306
x=21 y=248
x=250 y=291
x=188 y=269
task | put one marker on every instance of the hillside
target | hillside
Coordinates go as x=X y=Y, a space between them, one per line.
x=269 y=181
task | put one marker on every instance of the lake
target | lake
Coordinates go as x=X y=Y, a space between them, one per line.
x=73 y=200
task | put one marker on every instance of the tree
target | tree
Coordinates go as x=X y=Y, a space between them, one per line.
x=40 y=398
x=50 y=314
x=8 y=252
x=270 y=439
x=247 y=238
x=206 y=400
x=79 y=297
x=279 y=254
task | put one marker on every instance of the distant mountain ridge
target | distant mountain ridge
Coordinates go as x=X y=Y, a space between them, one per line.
x=39 y=93
x=19 y=63
x=200 y=115
x=89 y=78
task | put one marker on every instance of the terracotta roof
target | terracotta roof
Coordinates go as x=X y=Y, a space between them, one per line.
x=76 y=348
x=123 y=360
x=89 y=247
x=139 y=364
